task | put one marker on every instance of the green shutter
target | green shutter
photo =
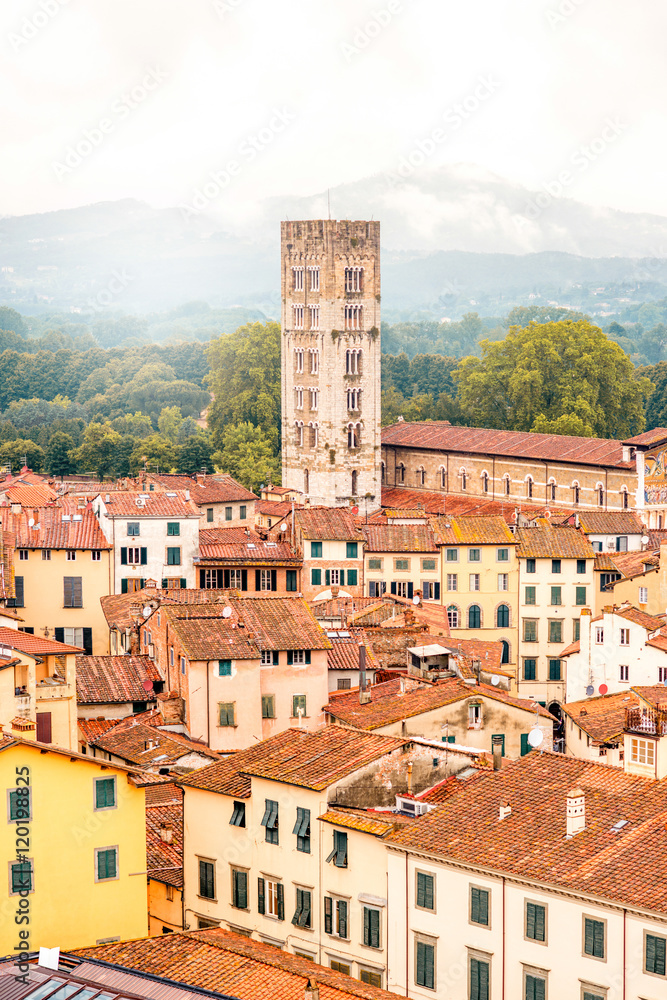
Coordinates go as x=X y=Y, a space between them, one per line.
x=144 y=556
x=655 y=955
x=479 y=979
x=316 y=577
x=371 y=928
x=425 y=965
x=525 y=745
x=281 y=901
x=165 y=582
x=352 y=577
x=479 y=906
x=327 y=577
x=105 y=793
x=123 y=556
x=328 y=915
x=261 y=905
x=123 y=586
x=425 y=890
x=106 y=864
x=243 y=890
x=341 y=906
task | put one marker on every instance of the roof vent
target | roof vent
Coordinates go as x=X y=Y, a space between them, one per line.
x=576 y=812
x=77 y=517
x=67 y=517
x=504 y=811
x=169 y=494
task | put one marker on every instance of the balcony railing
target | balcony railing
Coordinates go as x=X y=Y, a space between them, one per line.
x=649 y=721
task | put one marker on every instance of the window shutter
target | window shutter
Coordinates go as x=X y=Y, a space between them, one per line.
x=19 y=591
x=327 y=577
x=244 y=579
x=243 y=890
x=484 y=906
x=351 y=577
x=530 y=920
x=276 y=657
x=436 y=590
x=123 y=556
x=274 y=579
x=144 y=556
x=123 y=586
x=539 y=923
x=305 y=916
x=165 y=582
x=393 y=587
x=367 y=926
x=142 y=583
x=59 y=634
x=588 y=937
x=77 y=592
x=410 y=589
x=342 y=918
x=67 y=591
x=307 y=656
x=290 y=657
x=328 y=915
x=420 y=963
x=184 y=583
x=261 y=905
x=281 y=901
x=373 y=927
x=258 y=580
x=342 y=577
x=88 y=641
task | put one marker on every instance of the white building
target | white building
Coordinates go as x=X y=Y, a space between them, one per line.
x=155 y=536
x=621 y=648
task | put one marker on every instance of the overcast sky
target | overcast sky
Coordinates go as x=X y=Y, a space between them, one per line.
x=303 y=95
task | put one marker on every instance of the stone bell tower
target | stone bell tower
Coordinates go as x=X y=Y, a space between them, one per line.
x=330 y=361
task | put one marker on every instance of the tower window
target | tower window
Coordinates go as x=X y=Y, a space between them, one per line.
x=353 y=362
x=314 y=361
x=529 y=488
x=443 y=478
x=298 y=316
x=298 y=391
x=353 y=397
x=314 y=398
x=353 y=279
x=314 y=317
x=314 y=279
x=508 y=486
x=297 y=279
x=299 y=434
x=400 y=472
x=306 y=480
x=421 y=475
x=624 y=496
x=353 y=317
x=314 y=430
x=354 y=483
x=600 y=496
x=353 y=435
x=485 y=482
x=576 y=491
x=298 y=359
x=552 y=489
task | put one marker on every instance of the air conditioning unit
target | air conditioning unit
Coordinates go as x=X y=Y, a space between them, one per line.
x=140 y=501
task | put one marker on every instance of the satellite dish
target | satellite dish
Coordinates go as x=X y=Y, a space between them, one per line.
x=645 y=539
x=31 y=521
x=147 y=685
x=415 y=600
x=495 y=680
x=355 y=509
x=226 y=612
x=140 y=502
x=590 y=690
x=146 y=610
x=283 y=527
x=603 y=689
x=535 y=737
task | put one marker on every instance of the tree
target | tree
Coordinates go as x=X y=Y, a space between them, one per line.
x=99 y=451
x=22 y=452
x=245 y=381
x=10 y=319
x=195 y=454
x=247 y=456
x=553 y=370
x=59 y=454
x=169 y=422
x=153 y=453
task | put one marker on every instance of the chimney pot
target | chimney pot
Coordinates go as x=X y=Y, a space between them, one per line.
x=575 y=812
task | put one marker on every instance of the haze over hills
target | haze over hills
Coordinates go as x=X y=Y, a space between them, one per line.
x=454 y=239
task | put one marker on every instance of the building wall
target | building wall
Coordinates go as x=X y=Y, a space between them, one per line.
x=205 y=578
x=415 y=575
x=451 y=463
x=153 y=537
x=579 y=744
x=503 y=943
x=332 y=246
x=334 y=556
x=162 y=911
x=44 y=593
x=242 y=514
x=543 y=689
x=68 y=907
x=58 y=700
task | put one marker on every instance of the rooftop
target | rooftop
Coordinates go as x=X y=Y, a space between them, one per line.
x=134 y=505
x=622 y=865
x=603 y=718
x=239 y=546
x=148 y=747
x=220 y=960
x=327 y=523
x=552 y=541
x=66 y=527
x=117 y=608
x=399 y=498
x=404 y=698
x=223 y=489
x=344 y=652
x=108 y=679
x=25 y=642
x=164 y=818
x=399 y=538
x=472 y=530
x=609 y=522
x=312 y=760
x=442 y=436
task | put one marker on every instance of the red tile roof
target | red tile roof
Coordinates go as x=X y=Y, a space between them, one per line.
x=459 y=504
x=312 y=760
x=631 y=614
x=654 y=695
x=404 y=698
x=108 y=679
x=224 y=489
x=232 y=964
x=623 y=866
x=344 y=652
x=327 y=523
x=239 y=547
x=603 y=718
x=608 y=522
x=552 y=541
x=34 y=644
x=163 y=505
x=274 y=508
x=130 y=744
x=164 y=860
x=399 y=538
x=209 y=636
x=632 y=564
x=54 y=528
x=442 y=436
x=31 y=496
x=117 y=607
x=90 y=729
x=472 y=530
x=647 y=438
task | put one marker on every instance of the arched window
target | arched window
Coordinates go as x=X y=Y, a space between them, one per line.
x=507 y=484
x=576 y=492
x=600 y=492
x=298 y=427
x=485 y=482
x=353 y=361
x=421 y=475
x=306 y=481
x=464 y=479
x=353 y=435
x=474 y=616
x=354 y=483
x=400 y=470
x=552 y=489
x=314 y=431
x=453 y=616
x=624 y=498
x=383 y=472
x=529 y=487
x=443 y=478
x=505 y=658
x=503 y=616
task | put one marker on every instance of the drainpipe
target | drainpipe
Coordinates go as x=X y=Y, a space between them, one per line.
x=407 y=932
x=625 y=914
x=503 y=961
x=208 y=707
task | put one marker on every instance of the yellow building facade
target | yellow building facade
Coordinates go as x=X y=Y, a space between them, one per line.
x=73 y=837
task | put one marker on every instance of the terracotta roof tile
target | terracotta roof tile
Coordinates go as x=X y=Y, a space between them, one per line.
x=163 y=505
x=553 y=541
x=603 y=718
x=90 y=729
x=623 y=866
x=274 y=508
x=108 y=679
x=222 y=490
x=237 y=545
x=366 y=821
x=229 y=963
x=649 y=622
x=164 y=860
x=654 y=436
x=116 y=607
x=654 y=695
x=442 y=436
x=399 y=538
x=327 y=523
x=31 y=496
x=631 y=564
x=56 y=528
x=309 y=759
x=344 y=652
x=472 y=530
x=609 y=522
x=130 y=744
x=34 y=644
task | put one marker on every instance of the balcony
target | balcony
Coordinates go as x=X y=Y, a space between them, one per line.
x=646 y=721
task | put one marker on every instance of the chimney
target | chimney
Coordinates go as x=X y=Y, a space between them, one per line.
x=497 y=749
x=504 y=811
x=410 y=778
x=364 y=690
x=576 y=812
x=187 y=494
x=312 y=991
x=166 y=832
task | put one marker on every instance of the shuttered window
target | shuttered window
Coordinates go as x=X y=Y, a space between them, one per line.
x=479 y=906
x=425 y=891
x=425 y=965
x=19 y=592
x=316 y=577
x=341 y=917
x=226 y=713
x=105 y=793
x=302 y=830
x=535 y=988
x=594 y=937
x=173 y=528
x=239 y=889
x=106 y=862
x=302 y=913
x=479 y=979
x=173 y=556
x=20 y=804
x=270 y=821
x=339 y=852
x=22 y=877
x=206 y=879
x=238 y=815
x=328 y=915
x=535 y=922
x=298 y=706
x=268 y=706
x=371 y=927
x=655 y=955
x=73 y=592
x=224 y=668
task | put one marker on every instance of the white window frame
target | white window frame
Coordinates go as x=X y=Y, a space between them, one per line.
x=474 y=582
x=314 y=317
x=599 y=635
x=452 y=582
x=271 y=897
x=135 y=558
x=314 y=277
x=642 y=751
x=643 y=595
x=299 y=353
x=624 y=639
x=314 y=361
x=353 y=279
x=297 y=278
x=503 y=581
x=298 y=313
x=624 y=672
